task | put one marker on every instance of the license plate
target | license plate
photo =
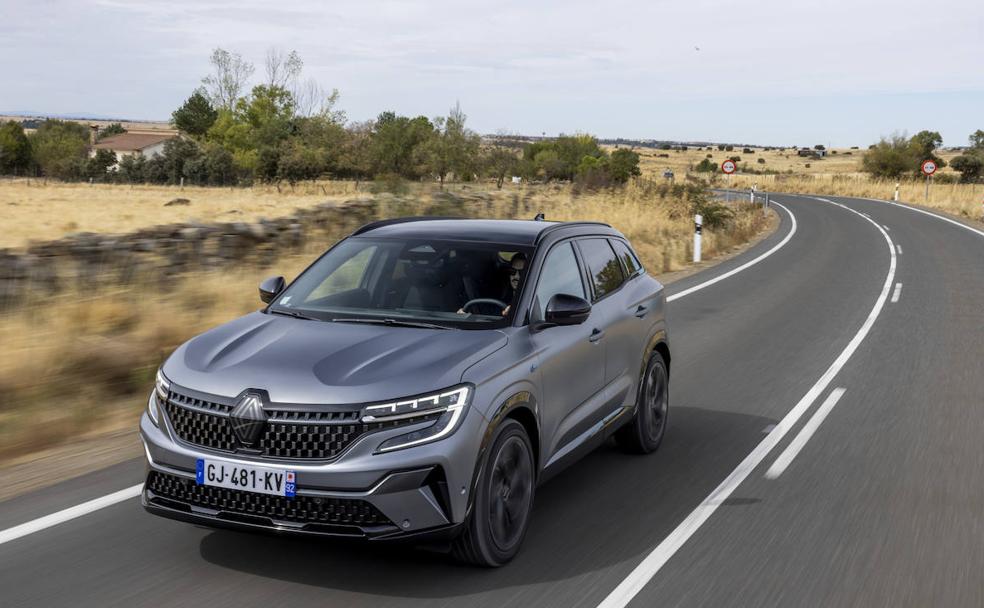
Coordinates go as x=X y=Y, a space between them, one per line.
x=263 y=480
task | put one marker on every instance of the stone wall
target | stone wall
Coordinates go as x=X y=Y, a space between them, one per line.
x=87 y=260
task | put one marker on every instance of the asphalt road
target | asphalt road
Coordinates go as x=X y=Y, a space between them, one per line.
x=883 y=505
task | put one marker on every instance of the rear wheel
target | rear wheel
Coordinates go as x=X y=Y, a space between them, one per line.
x=645 y=432
x=503 y=500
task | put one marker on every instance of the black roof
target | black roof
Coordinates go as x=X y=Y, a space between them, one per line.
x=514 y=232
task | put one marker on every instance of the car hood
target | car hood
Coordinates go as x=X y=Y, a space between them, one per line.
x=299 y=361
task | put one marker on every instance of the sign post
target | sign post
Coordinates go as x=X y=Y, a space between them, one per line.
x=729 y=167
x=928 y=169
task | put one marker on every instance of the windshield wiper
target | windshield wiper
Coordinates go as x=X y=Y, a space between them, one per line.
x=392 y=322
x=291 y=313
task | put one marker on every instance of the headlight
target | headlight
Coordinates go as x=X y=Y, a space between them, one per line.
x=161 y=389
x=449 y=404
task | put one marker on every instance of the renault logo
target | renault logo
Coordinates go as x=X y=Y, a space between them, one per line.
x=248 y=419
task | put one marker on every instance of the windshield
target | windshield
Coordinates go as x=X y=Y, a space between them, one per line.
x=401 y=281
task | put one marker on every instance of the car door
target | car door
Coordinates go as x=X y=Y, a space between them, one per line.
x=606 y=277
x=571 y=362
x=632 y=326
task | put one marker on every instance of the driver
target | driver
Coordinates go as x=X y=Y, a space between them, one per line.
x=516 y=267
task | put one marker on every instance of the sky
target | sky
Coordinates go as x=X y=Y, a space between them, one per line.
x=771 y=72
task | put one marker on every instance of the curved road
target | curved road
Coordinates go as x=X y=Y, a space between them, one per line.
x=825 y=448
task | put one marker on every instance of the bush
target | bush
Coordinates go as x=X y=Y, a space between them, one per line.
x=761 y=161
x=706 y=166
x=970 y=167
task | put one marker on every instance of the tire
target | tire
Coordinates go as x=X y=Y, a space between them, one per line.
x=500 y=514
x=645 y=432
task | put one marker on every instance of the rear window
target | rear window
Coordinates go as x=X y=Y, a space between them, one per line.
x=603 y=266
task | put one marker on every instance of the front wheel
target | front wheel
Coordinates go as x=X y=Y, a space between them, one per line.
x=645 y=432
x=503 y=500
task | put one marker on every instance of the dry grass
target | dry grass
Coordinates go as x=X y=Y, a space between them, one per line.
x=837 y=175
x=35 y=210
x=84 y=362
x=839 y=161
x=964 y=200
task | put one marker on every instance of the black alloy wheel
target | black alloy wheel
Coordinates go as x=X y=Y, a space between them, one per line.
x=503 y=500
x=645 y=431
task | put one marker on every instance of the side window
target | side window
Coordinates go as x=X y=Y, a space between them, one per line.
x=603 y=266
x=629 y=260
x=560 y=274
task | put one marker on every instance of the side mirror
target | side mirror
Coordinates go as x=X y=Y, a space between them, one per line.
x=564 y=309
x=270 y=288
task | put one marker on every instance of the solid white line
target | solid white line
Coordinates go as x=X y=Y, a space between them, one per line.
x=644 y=572
x=897 y=293
x=924 y=212
x=899 y=247
x=36 y=525
x=734 y=271
x=781 y=463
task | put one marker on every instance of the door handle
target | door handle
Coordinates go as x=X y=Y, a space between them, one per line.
x=596 y=334
x=642 y=311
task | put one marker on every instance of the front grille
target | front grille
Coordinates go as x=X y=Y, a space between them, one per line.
x=291 y=435
x=300 y=509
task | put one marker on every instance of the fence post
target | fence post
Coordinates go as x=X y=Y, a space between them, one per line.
x=698 y=221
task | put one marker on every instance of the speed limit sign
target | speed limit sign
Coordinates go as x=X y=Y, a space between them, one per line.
x=729 y=166
x=928 y=167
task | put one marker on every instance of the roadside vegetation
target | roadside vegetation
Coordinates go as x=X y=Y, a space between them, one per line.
x=83 y=362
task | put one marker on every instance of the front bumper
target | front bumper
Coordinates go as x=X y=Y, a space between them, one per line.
x=419 y=490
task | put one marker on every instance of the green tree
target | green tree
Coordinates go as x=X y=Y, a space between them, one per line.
x=59 y=148
x=196 y=115
x=113 y=129
x=897 y=156
x=970 y=167
x=100 y=163
x=623 y=165
x=977 y=140
x=15 y=149
x=398 y=145
x=501 y=161
x=452 y=148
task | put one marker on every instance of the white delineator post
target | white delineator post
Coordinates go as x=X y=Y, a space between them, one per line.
x=897 y=192
x=698 y=222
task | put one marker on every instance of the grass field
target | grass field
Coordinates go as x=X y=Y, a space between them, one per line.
x=35 y=210
x=84 y=362
x=838 y=174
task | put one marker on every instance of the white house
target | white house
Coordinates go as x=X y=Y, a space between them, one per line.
x=131 y=144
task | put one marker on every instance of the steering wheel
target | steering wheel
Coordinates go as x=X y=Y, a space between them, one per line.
x=502 y=305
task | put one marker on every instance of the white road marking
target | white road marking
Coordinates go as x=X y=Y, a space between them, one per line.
x=897 y=293
x=885 y=226
x=734 y=271
x=645 y=571
x=787 y=456
x=924 y=212
x=899 y=247
x=768 y=429
x=36 y=525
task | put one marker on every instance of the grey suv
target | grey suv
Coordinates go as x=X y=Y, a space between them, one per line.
x=417 y=381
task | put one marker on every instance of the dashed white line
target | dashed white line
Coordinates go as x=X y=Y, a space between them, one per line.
x=734 y=271
x=897 y=293
x=899 y=247
x=939 y=217
x=36 y=525
x=657 y=558
x=794 y=447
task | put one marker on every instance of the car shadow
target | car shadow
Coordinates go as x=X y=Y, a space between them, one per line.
x=608 y=509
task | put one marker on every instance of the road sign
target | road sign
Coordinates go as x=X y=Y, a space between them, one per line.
x=929 y=167
x=729 y=166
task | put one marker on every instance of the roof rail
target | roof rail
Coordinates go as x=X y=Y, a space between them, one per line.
x=403 y=220
x=561 y=225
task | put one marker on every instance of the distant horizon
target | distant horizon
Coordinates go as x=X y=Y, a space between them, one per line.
x=693 y=142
